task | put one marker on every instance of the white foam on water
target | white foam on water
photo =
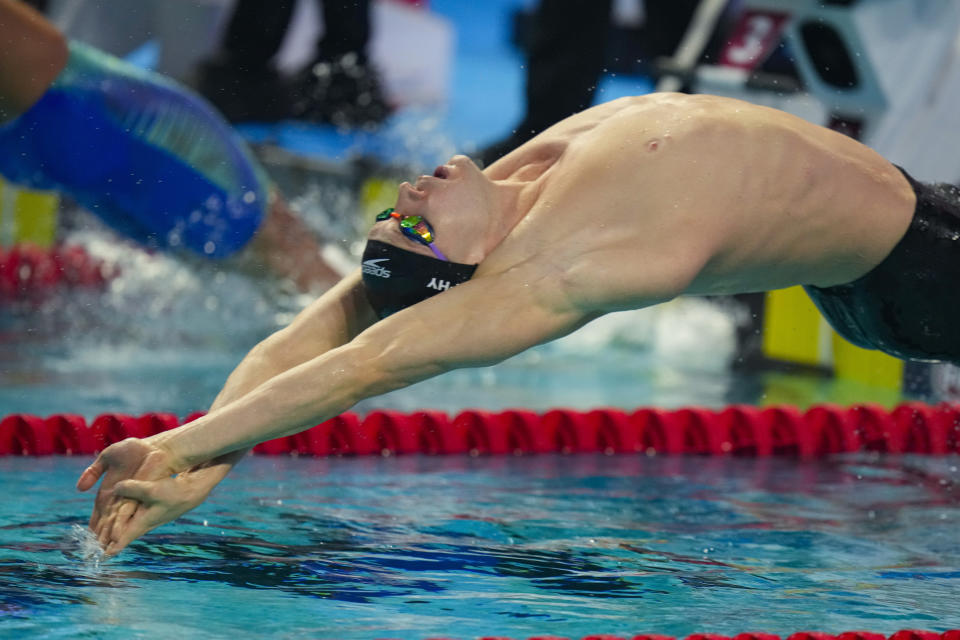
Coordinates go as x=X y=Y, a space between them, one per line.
x=162 y=300
x=695 y=334
x=687 y=334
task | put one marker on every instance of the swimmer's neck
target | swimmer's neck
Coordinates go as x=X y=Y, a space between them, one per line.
x=529 y=162
x=519 y=179
x=514 y=198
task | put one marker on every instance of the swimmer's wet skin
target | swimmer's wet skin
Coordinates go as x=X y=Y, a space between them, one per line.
x=625 y=205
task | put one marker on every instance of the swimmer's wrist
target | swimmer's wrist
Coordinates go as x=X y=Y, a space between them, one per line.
x=160 y=441
x=190 y=445
x=175 y=463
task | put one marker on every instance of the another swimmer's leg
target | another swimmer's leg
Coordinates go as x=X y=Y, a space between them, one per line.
x=32 y=55
x=288 y=249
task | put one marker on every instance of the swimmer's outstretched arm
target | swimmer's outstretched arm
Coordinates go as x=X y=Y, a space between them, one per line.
x=480 y=322
x=333 y=320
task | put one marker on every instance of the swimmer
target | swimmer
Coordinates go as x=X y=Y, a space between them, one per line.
x=622 y=206
x=152 y=160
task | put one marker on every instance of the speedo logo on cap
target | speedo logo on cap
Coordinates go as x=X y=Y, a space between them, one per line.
x=374 y=268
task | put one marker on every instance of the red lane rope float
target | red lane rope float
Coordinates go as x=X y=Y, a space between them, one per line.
x=908 y=634
x=737 y=430
x=27 y=271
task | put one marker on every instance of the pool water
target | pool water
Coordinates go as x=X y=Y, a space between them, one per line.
x=516 y=546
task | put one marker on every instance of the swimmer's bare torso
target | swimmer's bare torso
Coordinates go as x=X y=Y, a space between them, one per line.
x=641 y=199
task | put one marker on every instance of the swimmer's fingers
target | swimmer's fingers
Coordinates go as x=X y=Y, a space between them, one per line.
x=130 y=458
x=139 y=490
x=149 y=513
x=158 y=502
x=106 y=517
x=114 y=463
x=101 y=506
x=115 y=516
x=124 y=512
x=142 y=521
x=91 y=474
x=106 y=507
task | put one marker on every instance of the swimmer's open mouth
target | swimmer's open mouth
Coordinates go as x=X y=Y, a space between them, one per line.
x=441 y=172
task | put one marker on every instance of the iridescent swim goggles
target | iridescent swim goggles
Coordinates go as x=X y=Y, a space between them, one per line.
x=396 y=278
x=414 y=227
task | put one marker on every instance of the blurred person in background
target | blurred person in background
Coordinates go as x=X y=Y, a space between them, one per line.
x=567 y=54
x=339 y=86
x=149 y=158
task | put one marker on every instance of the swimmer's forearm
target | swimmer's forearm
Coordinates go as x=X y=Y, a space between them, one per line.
x=286 y=404
x=340 y=314
x=437 y=335
x=335 y=319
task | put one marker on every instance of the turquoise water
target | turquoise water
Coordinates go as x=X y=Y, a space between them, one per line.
x=464 y=547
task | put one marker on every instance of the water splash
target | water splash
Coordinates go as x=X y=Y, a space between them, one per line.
x=88 y=547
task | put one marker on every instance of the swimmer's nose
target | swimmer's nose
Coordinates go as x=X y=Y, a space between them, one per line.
x=410 y=200
x=407 y=190
x=460 y=160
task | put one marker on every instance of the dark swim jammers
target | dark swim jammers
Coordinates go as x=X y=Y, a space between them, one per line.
x=907 y=305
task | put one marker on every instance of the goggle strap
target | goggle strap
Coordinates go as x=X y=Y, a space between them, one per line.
x=422 y=234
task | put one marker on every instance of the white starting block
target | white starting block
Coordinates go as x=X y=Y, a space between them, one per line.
x=886 y=71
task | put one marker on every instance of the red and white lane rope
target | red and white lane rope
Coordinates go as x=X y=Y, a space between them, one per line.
x=27 y=271
x=738 y=430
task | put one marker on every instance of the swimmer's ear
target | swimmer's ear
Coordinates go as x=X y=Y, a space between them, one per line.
x=90 y=475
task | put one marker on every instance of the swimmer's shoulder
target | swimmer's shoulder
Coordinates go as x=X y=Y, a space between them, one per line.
x=682 y=109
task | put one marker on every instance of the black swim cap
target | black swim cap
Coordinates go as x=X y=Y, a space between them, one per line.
x=396 y=278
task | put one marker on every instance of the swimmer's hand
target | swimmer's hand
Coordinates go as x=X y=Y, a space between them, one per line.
x=124 y=467
x=149 y=495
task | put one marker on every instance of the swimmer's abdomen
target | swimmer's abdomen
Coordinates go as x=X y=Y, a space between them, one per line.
x=151 y=159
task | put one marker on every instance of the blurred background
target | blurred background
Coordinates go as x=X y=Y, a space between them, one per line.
x=342 y=100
